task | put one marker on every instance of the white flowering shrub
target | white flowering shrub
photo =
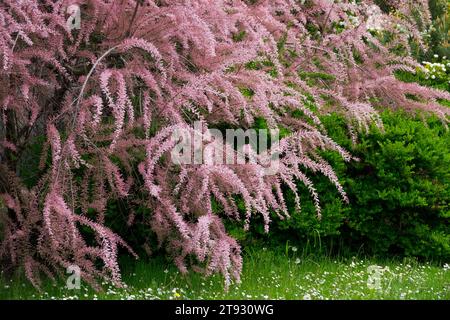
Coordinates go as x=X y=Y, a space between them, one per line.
x=438 y=69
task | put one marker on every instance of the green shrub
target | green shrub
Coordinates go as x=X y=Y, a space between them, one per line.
x=399 y=192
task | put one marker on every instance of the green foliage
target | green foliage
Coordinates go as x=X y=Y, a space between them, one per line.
x=436 y=75
x=420 y=78
x=399 y=192
x=315 y=78
x=437 y=72
x=28 y=164
x=436 y=35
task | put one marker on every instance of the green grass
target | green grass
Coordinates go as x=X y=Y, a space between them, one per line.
x=266 y=275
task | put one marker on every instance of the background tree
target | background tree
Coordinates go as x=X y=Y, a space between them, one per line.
x=100 y=104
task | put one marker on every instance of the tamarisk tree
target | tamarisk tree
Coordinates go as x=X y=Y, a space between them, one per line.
x=101 y=100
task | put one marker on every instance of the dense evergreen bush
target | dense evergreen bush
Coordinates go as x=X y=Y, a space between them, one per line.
x=92 y=95
x=399 y=192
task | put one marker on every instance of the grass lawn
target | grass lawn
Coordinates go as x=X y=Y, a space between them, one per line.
x=266 y=275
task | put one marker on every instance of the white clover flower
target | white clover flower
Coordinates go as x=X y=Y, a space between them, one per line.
x=297 y=261
x=436 y=56
x=433 y=77
x=307 y=297
x=294 y=249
